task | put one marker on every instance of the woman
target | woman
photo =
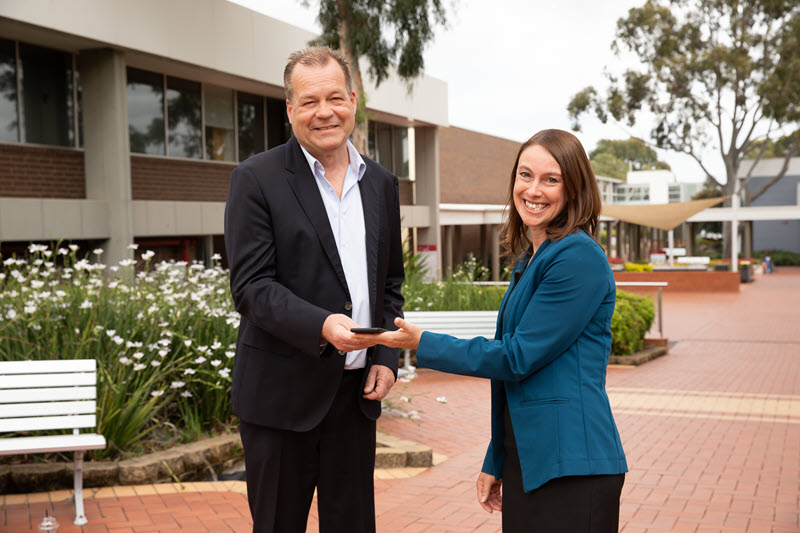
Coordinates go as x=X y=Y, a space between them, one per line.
x=555 y=448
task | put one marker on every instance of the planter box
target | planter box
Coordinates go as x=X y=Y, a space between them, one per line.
x=685 y=280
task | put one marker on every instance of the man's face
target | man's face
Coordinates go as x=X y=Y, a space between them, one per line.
x=321 y=111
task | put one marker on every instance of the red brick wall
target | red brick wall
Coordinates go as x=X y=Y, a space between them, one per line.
x=159 y=178
x=686 y=281
x=406 y=192
x=474 y=168
x=41 y=172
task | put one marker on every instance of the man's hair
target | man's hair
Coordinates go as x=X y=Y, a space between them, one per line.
x=316 y=56
x=581 y=192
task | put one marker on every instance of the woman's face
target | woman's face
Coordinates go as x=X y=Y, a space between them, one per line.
x=538 y=190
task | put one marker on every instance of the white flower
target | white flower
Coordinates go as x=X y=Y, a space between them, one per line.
x=216 y=346
x=33 y=248
x=157 y=393
x=30 y=308
x=133 y=246
x=162 y=353
x=127 y=262
x=11 y=314
x=187 y=343
x=216 y=257
x=63 y=251
x=97 y=251
x=177 y=384
x=230 y=354
x=125 y=361
x=225 y=372
x=202 y=349
x=441 y=399
x=73 y=247
x=155 y=363
x=113 y=284
x=61 y=294
x=200 y=360
x=188 y=371
x=117 y=339
x=86 y=304
x=36 y=284
x=111 y=332
x=77 y=331
x=130 y=344
x=186 y=394
x=148 y=255
x=138 y=355
x=139 y=366
x=216 y=362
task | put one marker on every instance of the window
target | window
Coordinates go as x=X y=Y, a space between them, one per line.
x=219 y=123
x=674 y=193
x=388 y=146
x=146 y=112
x=184 y=118
x=250 y=118
x=8 y=92
x=279 y=130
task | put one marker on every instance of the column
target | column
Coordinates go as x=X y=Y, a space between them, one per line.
x=494 y=234
x=426 y=164
x=107 y=157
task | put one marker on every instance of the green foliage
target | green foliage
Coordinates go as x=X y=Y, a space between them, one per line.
x=632 y=151
x=780 y=257
x=712 y=73
x=163 y=337
x=605 y=164
x=633 y=316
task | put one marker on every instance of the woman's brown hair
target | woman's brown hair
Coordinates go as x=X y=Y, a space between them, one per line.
x=582 y=194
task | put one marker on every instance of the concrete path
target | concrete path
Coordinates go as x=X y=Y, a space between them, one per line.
x=711 y=431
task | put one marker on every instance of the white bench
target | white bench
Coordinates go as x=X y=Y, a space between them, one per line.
x=38 y=396
x=461 y=324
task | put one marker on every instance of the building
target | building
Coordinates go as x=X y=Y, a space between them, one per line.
x=778 y=233
x=121 y=122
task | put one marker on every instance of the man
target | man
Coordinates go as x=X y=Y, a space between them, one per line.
x=312 y=231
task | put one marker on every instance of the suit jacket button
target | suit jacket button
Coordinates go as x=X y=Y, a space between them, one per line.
x=342 y=352
x=348 y=306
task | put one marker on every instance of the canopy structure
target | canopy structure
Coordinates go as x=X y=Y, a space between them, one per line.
x=661 y=216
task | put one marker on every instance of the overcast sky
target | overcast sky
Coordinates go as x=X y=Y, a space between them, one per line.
x=511 y=66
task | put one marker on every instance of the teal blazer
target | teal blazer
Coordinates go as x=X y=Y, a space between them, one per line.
x=548 y=362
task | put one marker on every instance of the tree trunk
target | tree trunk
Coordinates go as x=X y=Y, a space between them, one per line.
x=359 y=137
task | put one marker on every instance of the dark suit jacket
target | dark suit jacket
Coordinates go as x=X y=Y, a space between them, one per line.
x=287 y=277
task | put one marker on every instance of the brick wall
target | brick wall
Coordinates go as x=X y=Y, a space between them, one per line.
x=41 y=172
x=406 y=192
x=474 y=168
x=159 y=178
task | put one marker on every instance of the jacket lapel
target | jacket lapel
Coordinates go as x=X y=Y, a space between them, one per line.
x=306 y=190
x=372 y=223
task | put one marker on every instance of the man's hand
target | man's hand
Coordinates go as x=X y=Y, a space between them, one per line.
x=379 y=381
x=489 y=495
x=336 y=330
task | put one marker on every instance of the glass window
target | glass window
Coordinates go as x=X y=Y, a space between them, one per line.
x=47 y=95
x=383 y=134
x=146 y=111
x=184 y=119
x=250 y=117
x=400 y=139
x=219 y=123
x=279 y=130
x=8 y=92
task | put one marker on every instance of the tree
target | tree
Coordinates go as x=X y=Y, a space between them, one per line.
x=633 y=152
x=363 y=27
x=714 y=73
x=608 y=165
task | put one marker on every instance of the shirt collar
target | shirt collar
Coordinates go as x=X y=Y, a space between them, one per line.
x=357 y=164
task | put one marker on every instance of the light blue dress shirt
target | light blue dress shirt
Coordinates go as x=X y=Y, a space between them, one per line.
x=347 y=223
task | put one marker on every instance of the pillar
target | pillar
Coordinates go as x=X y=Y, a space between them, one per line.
x=107 y=158
x=494 y=234
x=426 y=167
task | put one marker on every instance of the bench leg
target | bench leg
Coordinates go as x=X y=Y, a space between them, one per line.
x=80 y=517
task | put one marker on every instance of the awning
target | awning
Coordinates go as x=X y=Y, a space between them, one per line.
x=661 y=216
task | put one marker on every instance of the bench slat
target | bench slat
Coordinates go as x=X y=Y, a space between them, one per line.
x=47 y=409
x=43 y=367
x=460 y=324
x=38 y=395
x=52 y=443
x=48 y=422
x=25 y=381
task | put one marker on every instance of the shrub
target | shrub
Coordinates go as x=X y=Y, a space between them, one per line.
x=633 y=316
x=780 y=257
x=638 y=267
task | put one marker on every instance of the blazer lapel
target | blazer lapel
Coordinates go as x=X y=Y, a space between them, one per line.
x=306 y=190
x=372 y=227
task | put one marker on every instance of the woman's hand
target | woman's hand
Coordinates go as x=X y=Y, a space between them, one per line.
x=489 y=495
x=406 y=337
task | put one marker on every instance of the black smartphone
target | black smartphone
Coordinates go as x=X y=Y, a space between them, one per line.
x=368 y=330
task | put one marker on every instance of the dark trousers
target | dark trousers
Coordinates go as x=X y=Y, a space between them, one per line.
x=337 y=457
x=571 y=504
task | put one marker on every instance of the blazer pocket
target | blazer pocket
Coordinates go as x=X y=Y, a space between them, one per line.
x=544 y=401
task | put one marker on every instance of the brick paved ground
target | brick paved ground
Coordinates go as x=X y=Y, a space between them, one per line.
x=711 y=431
